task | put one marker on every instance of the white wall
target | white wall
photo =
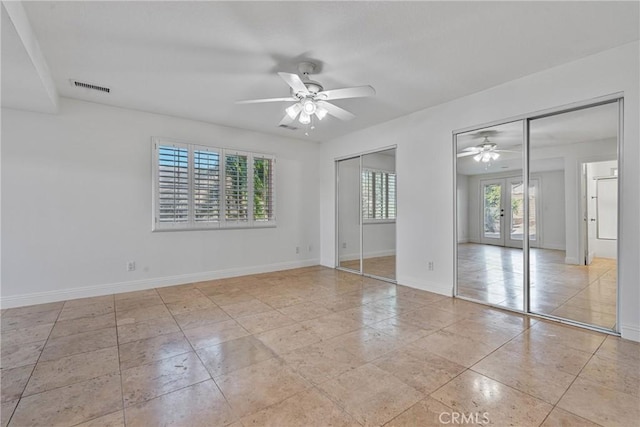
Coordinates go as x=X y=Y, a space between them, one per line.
x=424 y=162
x=604 y=248
x=76 y=190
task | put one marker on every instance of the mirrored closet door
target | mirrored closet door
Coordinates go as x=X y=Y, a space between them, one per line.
x=366 y=214
x=561 y=171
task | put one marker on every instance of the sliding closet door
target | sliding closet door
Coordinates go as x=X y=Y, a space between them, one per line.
x=348 y=214
x=490 y=213
x=573 y=269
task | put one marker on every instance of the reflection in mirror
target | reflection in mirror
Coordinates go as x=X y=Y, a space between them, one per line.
x=490 y=215
x=348 y=218
x=573 y=263
x=379 y=214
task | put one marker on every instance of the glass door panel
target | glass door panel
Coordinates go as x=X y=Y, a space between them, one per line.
x=348 y=214
x=488 y=161
x=573 y=270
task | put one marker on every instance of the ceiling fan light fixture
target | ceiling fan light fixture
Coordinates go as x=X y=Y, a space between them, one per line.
x=293 y=110
x=305 y=119
x=309 y=107
x=321 y=113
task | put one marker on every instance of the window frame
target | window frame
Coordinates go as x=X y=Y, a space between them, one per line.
x=222 y=222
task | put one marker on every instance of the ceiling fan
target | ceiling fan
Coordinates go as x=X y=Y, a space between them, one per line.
x=311 y=99
x=484 y=152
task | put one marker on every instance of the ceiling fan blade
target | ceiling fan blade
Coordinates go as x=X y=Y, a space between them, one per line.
x=506 y=151
x=473 y=149
x=259 y=101
x=347 y=92
x=336 y=111
x=295 y=82
x=467 y=154
x=286 y=120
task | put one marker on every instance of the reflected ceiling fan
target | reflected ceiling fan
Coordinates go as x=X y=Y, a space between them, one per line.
x=311 y=100
x=484 y=152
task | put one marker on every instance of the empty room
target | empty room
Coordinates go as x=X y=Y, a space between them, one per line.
x=318 y=213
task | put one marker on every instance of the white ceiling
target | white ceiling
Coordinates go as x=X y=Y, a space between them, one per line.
x=194 y=59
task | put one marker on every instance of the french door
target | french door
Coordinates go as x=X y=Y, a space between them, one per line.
x=502 y=221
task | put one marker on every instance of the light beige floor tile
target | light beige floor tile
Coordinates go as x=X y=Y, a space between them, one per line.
x=232 y=355
x=75 y=311
x=6 y=411
x=282 y=301
x=14 y=381
x=72 y=369
x=137 y=353
x=426 y=413
x=37 y=308
x=255 y=387
x=146 y=329
x=215 y=333
x=308 y=408
x=368 y=343
x=288 y=338
x=265 y=321
x=114 y=419
x=139 y=301
x=552 y=354
x=402 y=331
x=322 y=361
x=232 y=297
x=17 y=355
x=142 y=314
x=429 y=318
x=619 y=349
x=561 y=418
x=332 y=325
x=72 y=404
x=620 y=376
x=195 y=319
x=471 y=392
x=600 y=404
x=371 y=395
x=26 y=335
x=65 y=328
x=201 y=405
x=523 y=373
x=484 y=331
x=305 y=311
x=79 y=343
x=396 y=306
x=177 y=293
x=246 y=308
x=145 y=382
x=555 y=333
x=189 y=305
x=19 y=321
x=145 y=294
x=423 y=371
x=80 y=302
x=366 y=315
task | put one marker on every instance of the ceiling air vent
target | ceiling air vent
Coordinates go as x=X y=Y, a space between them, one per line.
x=288 y=127
x=77 y=83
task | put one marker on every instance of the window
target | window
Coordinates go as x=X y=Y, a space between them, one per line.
x=198 y=187
x=378 y=195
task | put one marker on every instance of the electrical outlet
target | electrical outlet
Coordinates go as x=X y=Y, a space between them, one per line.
x=131 y=266
x=297 y=249
x=310 y=248
x=344 y=245
x=430 y=265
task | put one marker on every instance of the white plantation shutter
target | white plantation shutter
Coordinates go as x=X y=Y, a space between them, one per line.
x=263 y=188
x=378 y=195
x=236 y=187
x=206 y=185
x=172 y=199
x=200 y=187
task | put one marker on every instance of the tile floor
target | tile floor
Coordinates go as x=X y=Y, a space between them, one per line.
x=585 y=294
x=381 y=266
x=306 y=347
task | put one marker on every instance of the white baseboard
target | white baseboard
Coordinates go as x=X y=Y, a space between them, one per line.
x=139 y=285
x=423 y=285
x=630 y=332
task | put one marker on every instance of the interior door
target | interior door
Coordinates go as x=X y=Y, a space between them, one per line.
x=493 y=202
